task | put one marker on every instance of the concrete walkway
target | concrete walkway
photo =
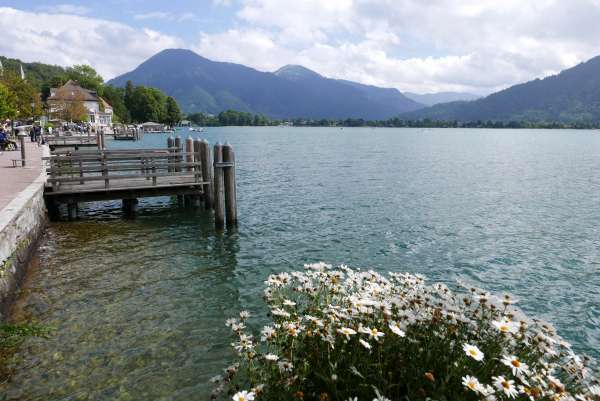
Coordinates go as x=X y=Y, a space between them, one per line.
x=13 y=180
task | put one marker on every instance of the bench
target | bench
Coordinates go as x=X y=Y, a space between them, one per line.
x=17 y=162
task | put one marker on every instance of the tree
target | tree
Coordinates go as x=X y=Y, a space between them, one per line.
x=87 y=77
x=173 y=114
x=25 y=95
x=116 y=98
x=8 y=107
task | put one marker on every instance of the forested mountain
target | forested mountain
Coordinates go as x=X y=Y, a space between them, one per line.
x=36 y=73
x=202 y=85
x=431 y=99
x=571 y=96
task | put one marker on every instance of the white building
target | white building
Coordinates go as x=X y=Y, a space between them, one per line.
x=99 y=112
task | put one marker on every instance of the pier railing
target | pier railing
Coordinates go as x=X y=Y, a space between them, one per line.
x=182 y=169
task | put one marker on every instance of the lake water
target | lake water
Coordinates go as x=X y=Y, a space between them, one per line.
x=139 y=305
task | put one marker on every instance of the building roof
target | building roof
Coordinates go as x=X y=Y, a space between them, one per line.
x=72 y=91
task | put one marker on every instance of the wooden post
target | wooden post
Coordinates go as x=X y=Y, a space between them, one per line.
x=102 y=139
x=229 y=181
x=104 y=169
x=219 y=187
x=170 y=144
x=81 y=172
x=22 y=144
x=72 y=210
x=207 y=176
x=178 y=150
x=189 y=149
x=130 y=206
x=197 y=158
x=98 y=141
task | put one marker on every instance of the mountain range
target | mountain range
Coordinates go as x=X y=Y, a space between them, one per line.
x=431 y=99
x=202 y=85
x=570 y=96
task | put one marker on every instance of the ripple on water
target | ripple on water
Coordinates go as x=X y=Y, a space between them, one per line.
x=138 y=305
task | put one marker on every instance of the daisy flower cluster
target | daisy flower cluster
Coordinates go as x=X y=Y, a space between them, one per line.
x=347 y=334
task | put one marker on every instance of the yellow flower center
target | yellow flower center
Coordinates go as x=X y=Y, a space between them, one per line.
x=506 y=385
x=473 y=352
x=516 y=363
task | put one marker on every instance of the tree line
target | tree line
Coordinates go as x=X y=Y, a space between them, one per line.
x=230 y=118
x=238 y=118
x=25 y=98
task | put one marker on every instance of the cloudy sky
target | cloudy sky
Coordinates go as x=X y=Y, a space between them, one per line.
x=476 y=46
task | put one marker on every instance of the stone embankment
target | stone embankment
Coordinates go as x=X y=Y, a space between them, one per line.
x=22 y=217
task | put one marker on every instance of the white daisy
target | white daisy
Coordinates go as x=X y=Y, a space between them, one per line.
x=285 y=366
x=473 y=352
x=506 y=326
x=471 y=383
x=395 y=327
x=505 y=385
x=372 y=332
x=518 y=368
x=346 y=331
x=243 y=396
x=271 y=357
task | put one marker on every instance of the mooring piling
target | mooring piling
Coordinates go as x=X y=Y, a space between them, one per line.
x=207 y=174
x=178 y=153
x=229 y=183
x=219 y=186
x=170 y=146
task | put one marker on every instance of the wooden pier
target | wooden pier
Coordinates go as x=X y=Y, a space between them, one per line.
x=75 y=142
x=129 y=174
x=127 y=133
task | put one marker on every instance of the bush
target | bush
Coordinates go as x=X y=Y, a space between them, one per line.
x=347 y=334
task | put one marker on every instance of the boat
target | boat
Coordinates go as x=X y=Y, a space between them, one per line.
x=197 y=129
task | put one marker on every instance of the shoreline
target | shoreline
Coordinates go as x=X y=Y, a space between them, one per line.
x=22 y=222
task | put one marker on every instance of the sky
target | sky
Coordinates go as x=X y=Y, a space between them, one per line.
x=422 y=46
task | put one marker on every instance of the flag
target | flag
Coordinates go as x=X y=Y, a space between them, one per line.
x=22 y=72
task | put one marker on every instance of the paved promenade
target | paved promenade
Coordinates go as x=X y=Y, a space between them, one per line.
x=13 y=180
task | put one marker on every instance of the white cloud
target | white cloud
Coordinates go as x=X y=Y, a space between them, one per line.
x=480 y=45
x=110 y=47
x=413 y=45
x=65 y=9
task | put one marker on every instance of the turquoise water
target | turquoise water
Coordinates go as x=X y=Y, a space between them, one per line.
x=139 y=305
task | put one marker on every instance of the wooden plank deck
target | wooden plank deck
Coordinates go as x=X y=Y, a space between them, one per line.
x=129 y=174
x=122 y=174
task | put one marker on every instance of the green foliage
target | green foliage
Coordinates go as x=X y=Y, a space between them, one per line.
x=173 y=114
x=37 y=74
x=230 y=118
x=432 y=123
x=12 y=335
x=87 y=77
x=8 y=103
x=116 y=98
x=24 y=94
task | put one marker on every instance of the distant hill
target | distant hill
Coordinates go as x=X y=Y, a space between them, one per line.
x=201 y=85
x=431 y=99
x=571 y=96
x=35 y=73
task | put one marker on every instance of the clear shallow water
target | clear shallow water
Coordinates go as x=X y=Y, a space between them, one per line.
x=139 y=305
